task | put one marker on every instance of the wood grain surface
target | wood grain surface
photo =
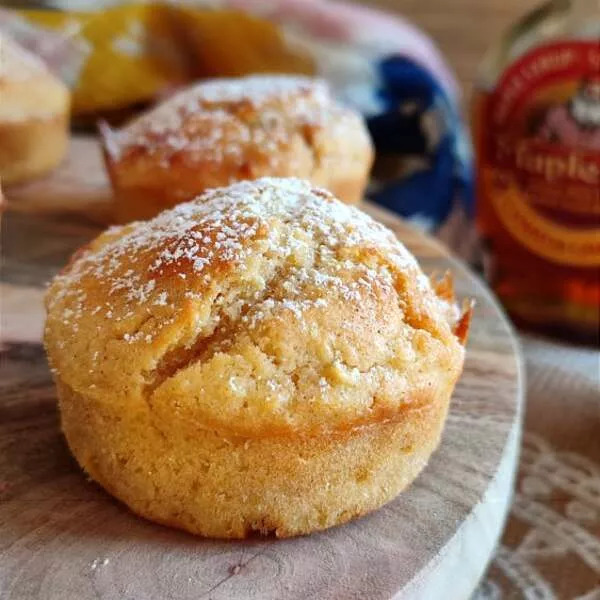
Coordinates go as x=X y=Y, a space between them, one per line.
x=62 y=537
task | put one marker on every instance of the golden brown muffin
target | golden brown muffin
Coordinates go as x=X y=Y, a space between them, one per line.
x=34 y=115
x=226 y=130
x=262 y=358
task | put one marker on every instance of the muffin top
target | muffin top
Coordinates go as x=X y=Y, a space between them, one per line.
x=27 y=88
x=228 y=120
x=16 y=62
x=263 y=308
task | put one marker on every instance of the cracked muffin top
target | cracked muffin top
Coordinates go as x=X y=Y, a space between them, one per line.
x=263 y=308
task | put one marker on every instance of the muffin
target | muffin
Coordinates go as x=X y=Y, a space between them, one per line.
x=226 y=130
x=34 y=115
x=263 y=358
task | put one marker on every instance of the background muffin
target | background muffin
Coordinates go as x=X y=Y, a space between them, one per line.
x=225 y=130
x=34 y=115
x=263 y=358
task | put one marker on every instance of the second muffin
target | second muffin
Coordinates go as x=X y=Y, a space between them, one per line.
x=225 y=130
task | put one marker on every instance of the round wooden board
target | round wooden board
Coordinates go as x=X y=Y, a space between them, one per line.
x=62 y=537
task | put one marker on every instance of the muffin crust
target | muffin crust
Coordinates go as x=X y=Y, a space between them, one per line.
x=263 y=358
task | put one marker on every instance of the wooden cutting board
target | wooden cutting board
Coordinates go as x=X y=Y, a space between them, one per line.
x=62 y=537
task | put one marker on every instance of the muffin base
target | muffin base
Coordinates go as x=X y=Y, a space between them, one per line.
x=213 y=485
x=350 y=191
x=32 y=147
x=137 y=203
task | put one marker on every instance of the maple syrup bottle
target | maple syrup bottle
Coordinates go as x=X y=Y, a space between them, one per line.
x=536 y=122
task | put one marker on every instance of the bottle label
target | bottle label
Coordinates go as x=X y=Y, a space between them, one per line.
x=540 y=160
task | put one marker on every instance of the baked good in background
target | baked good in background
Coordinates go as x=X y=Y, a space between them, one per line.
x=225 y=130
x=120 y=57
x=263 y=358
x=34 y=115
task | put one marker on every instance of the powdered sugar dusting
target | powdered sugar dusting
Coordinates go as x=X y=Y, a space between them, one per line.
x=256 y=89
x=176 y=258
x=218 y=117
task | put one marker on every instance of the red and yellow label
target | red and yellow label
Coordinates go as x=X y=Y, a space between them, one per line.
x=539 y=152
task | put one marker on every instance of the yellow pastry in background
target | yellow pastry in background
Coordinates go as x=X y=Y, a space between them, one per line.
x=122 y=57
x=34 y=115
